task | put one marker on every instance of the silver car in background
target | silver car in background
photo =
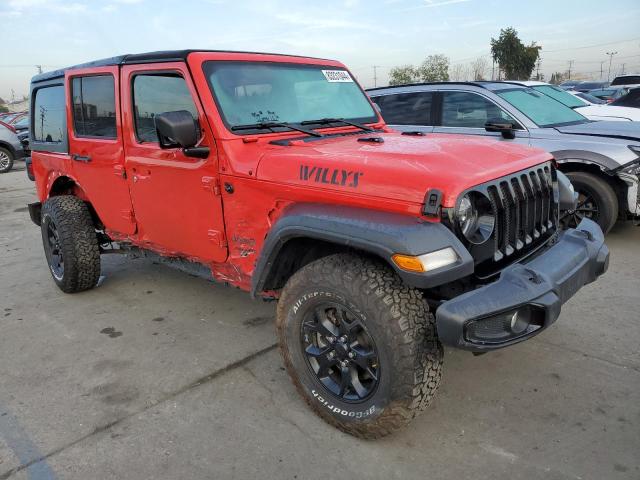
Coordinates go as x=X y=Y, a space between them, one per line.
x=10 y=148
x=602 y=159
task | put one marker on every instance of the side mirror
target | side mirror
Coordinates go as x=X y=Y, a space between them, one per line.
x=179 y=129
x=176 y=129
x=504 y=127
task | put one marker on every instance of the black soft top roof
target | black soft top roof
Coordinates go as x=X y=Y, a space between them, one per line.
x=148 y=57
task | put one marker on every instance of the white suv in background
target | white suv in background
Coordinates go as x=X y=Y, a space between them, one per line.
x=592 y=112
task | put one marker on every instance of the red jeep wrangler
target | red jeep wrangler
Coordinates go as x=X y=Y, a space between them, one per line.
x=275 y=174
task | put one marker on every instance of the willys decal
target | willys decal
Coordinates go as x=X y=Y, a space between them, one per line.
x=331 y=176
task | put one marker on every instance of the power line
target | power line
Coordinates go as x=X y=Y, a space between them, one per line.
x=593 y=46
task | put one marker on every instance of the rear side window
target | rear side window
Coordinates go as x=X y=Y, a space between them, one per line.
x=628 y=80
x=94 y=106
x=406 y=108
x=158 y=93
x=49 y=115
x=469 y=110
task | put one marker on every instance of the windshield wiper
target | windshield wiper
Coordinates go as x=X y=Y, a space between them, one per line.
x=324 y=121
x=272 y=125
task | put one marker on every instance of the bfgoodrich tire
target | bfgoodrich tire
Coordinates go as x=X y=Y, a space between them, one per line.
x=360 y=346
x=6 y=160
x=596 y=200
x=70 y=243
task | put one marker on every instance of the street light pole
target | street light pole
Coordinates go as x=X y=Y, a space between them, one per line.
x=611 y=54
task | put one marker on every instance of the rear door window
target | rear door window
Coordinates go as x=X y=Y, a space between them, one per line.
x=94 y=106
x=49 y=115
x=158 y=93
x=406 y=108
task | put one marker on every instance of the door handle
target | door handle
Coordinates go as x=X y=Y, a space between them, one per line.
x=80 y=158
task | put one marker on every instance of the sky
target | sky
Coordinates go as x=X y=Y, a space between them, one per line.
x=386 y=33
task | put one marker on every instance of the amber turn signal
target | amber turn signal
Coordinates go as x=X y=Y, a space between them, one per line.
x=408 y=263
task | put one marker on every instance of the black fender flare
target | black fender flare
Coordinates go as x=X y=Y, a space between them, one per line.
x=606 y=164
x=379 y=233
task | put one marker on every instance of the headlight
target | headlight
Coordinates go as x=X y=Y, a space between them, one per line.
x=476 y=218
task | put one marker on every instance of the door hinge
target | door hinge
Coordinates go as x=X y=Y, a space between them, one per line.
x=217 y=237
x=119 y=171
x=211 y=184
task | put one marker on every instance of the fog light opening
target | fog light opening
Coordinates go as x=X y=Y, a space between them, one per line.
x=519 y=321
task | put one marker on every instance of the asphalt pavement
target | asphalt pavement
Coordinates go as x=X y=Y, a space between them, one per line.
x=157 y=374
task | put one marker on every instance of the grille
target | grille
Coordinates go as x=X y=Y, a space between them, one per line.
x=526 y=215
x=524 y=206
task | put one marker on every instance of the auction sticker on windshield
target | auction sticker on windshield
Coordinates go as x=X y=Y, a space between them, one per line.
x=337 y=76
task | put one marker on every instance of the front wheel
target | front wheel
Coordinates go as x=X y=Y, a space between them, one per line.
x=6 y=160
x=597 y=201
x=360 y=346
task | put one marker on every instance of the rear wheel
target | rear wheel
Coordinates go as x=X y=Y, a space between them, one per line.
x=596 y=200
x=360 y=346
x=6 y=160
x=70 y=243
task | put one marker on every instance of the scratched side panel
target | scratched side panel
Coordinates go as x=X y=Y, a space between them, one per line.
x=255 y=205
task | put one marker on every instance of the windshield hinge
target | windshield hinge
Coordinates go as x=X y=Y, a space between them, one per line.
x=432 y=203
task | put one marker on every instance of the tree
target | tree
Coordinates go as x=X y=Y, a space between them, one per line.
x=515 y=59
x=4 y=109
x=402 y=75
x=479 y=68
x=457 y=73
x=435 y=68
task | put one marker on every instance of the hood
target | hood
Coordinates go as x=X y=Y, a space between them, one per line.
x=621 y=130
x=401 y=167
x=603 y=112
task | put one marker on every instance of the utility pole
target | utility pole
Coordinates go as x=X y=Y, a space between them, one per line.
x=43 y=113
x=39 y=67
x=622 y=73
x=611 y=54
x=570 y=65
x=375 y=75
x=601 y=70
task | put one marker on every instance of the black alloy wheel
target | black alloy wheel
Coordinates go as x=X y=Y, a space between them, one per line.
x=586 y=208
x=340 y=352
x=53 y=250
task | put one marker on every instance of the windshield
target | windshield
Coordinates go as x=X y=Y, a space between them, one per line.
x=253 y=92
x=23 y=122
x=560 y=95
x=542 y=110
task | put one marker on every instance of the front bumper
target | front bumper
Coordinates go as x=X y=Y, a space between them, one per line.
x=536 y=289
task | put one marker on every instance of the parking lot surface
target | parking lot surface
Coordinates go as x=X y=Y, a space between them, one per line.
x=156 y=374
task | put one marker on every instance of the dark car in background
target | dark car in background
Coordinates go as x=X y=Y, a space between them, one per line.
x=602 y=159
x=631 y=99
x=588 y=86
x=569 y=84
x=609 y=94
